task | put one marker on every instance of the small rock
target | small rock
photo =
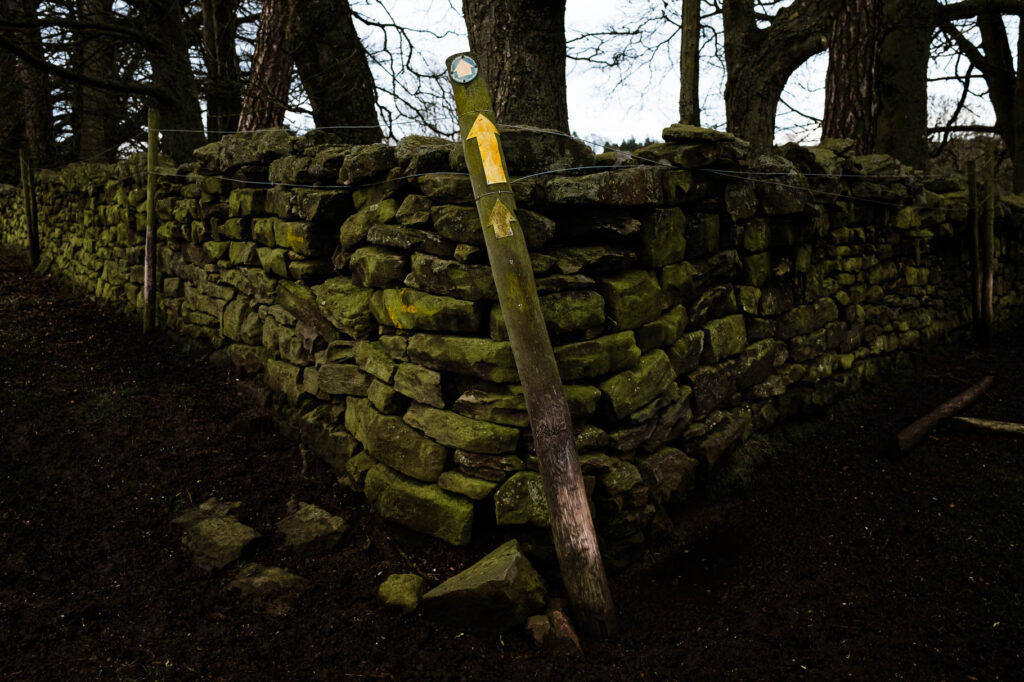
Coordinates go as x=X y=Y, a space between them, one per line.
x=538 y=627
x=270 y=588
x=310 y=529
x=402 y=590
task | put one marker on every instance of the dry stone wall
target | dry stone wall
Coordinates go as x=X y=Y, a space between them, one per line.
x=694 y=297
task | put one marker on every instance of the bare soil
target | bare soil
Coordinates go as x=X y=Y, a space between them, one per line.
x=838 y=562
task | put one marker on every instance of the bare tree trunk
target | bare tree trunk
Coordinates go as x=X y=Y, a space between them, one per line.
x=37 y=109
x=223 y=76
x=271 y=73
x=521 y=46
x=331 y=62
x=903 y=86
x=689 y=66
x=172 y=73
x=759 y=61
x=98 y=115
x=852 y=82
x=12 y=122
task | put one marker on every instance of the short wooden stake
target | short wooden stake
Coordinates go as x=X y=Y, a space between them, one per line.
x=571 y=524
x=975 y=243
x=988 y=252
x=28 y=186
x=149 y=265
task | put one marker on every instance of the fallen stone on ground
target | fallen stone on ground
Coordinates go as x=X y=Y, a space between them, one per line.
x=310 y=529
x=214 y=538
x=402 y=590
x=272 y=589
x=494 y=594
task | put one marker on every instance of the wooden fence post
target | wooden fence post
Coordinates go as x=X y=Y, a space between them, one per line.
x=988 y=250
x=571 y=524
x=28 y=186
x=149 y=265
x=975 y=244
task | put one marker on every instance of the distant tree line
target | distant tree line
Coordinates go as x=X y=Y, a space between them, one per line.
x=76 y=76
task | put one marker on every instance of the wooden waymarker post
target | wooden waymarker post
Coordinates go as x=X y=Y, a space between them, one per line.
x=149 y=264
x=28 y=186
x=571 y=524
x=975 y=243
x=988 y=251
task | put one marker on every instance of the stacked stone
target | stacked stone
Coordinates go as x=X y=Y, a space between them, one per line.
x=694 y=296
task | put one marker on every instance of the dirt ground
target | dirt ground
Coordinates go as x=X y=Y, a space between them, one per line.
x=840 y=561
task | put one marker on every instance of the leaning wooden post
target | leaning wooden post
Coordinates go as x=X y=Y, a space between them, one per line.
x=973 y=224
x=28 y=186
x=572 y=526
x=149 y=266
x=988 y=251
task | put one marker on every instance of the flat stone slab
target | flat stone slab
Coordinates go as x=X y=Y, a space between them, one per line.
x=494 y=594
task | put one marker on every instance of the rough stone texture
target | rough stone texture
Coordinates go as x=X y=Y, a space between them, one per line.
x=389 y=440
x=349 y=306
x=402 y=591
x=420 y=506
x=310 y=529
x=521 y=500
x=494 y=594
x=214 y=538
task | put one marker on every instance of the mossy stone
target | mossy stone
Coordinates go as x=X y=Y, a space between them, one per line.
x=419 y=383
x=346 y=306
x=521 y=500
x=490 y=360
x=412 y=309
x=402 y=591
x=343 y=379
x=469 y=486
x=725 y=337
x=310 y=529
x=629 y=390
x=593 y=358
x=563 y=312
x=626 y=187
x=451 y=278
x=633 y=298
x=465 y=433
x=373 y=359
x=391 y=441
x=663 y=237
x=422 y=507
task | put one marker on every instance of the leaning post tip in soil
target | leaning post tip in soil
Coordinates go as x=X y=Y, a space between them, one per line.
x=149 y=267
x=572 y=526
x=28 y=186
x=915 y=433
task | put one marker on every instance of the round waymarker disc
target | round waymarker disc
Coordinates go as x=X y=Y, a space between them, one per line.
x=464 y=70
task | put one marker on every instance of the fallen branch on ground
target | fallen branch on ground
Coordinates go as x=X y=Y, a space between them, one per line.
x=915 y=433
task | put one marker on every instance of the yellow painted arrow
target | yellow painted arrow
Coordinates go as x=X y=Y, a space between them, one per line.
x=502 y=219
x=490 y=153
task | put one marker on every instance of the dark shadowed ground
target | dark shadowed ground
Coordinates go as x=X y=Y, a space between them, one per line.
x=840 y=562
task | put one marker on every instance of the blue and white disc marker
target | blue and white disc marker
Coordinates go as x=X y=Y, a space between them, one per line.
x=464 y=69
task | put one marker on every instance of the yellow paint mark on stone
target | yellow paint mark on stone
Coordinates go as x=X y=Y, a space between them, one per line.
x=486 y=135
x=501 y=220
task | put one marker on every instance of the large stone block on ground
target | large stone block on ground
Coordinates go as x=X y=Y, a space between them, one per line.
x=391 y=441
x=521 y=500
x=311 y=529
x=454 y=430
x=494 y=594
x=490 y=360
x=422 y=507
x=630 y=390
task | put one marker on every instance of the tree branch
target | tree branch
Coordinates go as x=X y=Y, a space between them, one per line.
x=966 y=9
x=103 y=84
